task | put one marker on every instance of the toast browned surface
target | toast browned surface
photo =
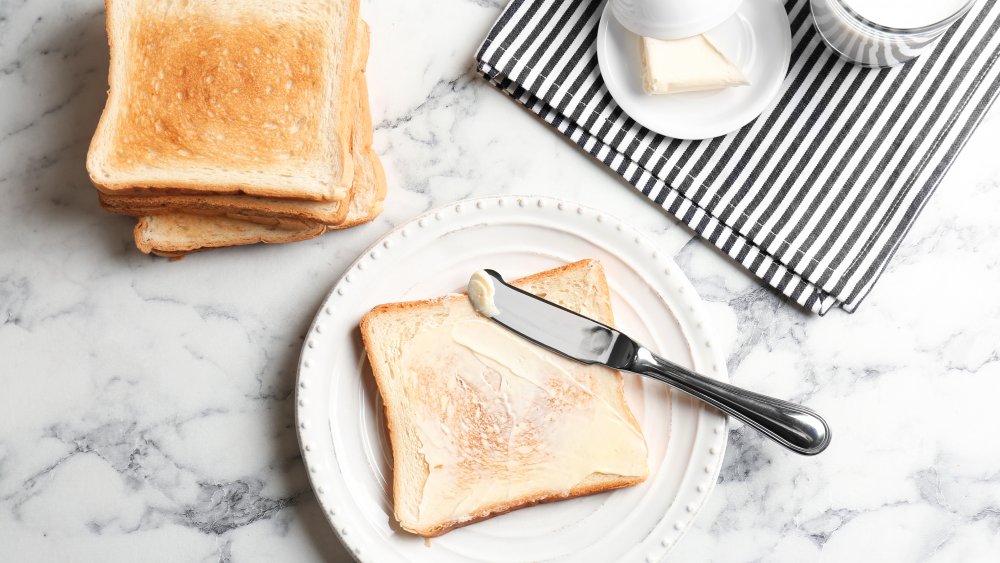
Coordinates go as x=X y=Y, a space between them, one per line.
x=215 y=97
x=430 y=400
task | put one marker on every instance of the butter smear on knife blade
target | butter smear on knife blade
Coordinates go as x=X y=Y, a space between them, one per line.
x=686 y=65
x=481 y=293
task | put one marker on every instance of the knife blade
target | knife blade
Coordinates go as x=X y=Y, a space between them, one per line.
x=554 y=327
x=585 y=340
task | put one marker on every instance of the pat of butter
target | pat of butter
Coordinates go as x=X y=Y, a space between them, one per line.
x=481 y=293
x=686 y=65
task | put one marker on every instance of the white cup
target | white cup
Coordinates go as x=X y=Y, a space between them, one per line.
x=672 y=19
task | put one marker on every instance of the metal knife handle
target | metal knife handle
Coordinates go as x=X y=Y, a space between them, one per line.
x=793 y=426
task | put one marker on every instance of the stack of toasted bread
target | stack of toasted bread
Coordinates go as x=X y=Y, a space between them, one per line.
x=236 y=123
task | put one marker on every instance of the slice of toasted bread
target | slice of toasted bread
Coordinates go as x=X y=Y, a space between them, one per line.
x=216 y=97
x=178 y=234
x=329 y=213
x=482 y=421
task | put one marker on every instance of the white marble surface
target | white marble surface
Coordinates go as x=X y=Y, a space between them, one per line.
x=145 y=406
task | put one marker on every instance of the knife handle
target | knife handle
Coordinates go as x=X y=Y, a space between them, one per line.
x=793 y=426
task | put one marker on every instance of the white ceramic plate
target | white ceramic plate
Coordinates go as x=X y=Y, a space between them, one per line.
x=339 y=413
x=757 y=39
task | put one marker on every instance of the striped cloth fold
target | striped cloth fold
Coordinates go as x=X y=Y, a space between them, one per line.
x=815 y=195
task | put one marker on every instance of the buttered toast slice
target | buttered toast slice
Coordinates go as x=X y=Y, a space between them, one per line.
x=483 y=422
x=228 y=97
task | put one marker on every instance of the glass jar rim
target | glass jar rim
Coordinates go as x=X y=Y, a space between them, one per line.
x=906 y=30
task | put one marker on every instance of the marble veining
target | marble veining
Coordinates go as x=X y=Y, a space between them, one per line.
x=146 y=406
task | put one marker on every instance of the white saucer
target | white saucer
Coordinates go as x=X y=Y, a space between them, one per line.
x=757 y=39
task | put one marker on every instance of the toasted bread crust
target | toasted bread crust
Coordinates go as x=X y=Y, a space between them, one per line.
x=485 y=513
x=369 y=205
x=179 y=81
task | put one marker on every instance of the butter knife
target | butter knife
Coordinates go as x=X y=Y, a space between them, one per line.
x=585 y=340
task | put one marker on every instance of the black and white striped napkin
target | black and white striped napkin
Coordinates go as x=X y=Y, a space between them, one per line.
x=815 y=195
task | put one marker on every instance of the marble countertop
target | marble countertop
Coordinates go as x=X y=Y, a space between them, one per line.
x=146 y=406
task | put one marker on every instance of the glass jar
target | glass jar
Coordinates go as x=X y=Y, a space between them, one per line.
x=892 y=39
